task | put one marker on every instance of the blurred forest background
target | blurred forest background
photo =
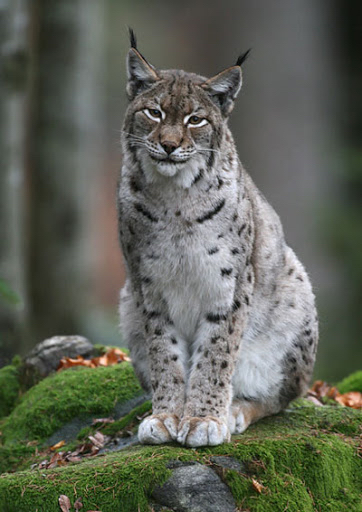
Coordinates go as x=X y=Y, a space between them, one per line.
x=297 y=123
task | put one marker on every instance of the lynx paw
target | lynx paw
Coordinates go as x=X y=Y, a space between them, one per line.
x=207 y=431
x=158 y=429
x=237 y=423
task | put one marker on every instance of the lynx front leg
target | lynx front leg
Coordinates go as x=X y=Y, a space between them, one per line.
x=166 y=363
x=209 y=392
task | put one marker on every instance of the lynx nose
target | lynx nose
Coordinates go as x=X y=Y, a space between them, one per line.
x=169 y=146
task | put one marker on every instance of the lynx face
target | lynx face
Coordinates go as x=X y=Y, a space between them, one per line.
x=175 y=120
x=174 y=125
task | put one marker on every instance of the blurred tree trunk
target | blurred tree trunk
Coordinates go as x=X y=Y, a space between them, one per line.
x=14 y=78
x=49 y=151
x=63 y=157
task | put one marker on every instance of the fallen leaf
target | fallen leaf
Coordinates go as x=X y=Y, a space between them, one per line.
x=320 y=388
x=73 y=458
x=78 y=504
x=314 y=400
x=64 y=503
x=111 y=357
x=352 y=399
x=102 y=420
x=98 y=439
x=68 y=362
x=257 y=485
x=57 y=446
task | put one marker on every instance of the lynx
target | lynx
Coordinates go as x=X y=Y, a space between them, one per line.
x=217 y=310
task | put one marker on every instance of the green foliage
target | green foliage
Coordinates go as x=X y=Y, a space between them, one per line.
x=127 y=420
x=351 y=383
x=7 y=294
x=9 y=389
x=13 y=457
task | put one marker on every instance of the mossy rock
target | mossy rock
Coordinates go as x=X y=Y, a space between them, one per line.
x=78 y=392
x=306 y=458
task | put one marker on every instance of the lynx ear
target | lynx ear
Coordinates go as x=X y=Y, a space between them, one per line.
x=141 y=74
x=225 y=86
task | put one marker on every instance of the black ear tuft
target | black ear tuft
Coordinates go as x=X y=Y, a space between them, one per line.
x=242 y=58
x=132 y=38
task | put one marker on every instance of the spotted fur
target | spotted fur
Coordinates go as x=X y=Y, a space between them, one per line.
x=217 y=310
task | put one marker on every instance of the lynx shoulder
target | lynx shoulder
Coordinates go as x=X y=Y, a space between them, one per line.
x=217 y=310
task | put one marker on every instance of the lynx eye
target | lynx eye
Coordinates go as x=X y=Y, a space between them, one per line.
x=153 y=113
x=195 y=121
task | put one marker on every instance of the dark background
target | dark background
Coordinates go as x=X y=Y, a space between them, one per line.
x=297 y=123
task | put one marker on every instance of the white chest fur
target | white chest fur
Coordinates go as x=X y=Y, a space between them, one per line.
x=187 y=275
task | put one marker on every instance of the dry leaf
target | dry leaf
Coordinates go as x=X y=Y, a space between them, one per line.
x=257 y=485
x=73 y=458
x=352 y=399
x=98 y=439
x=57 y=446
x=102 y=420
x=64 y=503
x=111 y=357
x=78 y=504
x=314 y=400
x=321 y=389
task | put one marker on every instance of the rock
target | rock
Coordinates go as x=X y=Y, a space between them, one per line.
x=195 y=488
x=45 y=356
x=227 y=463
x=56 y=407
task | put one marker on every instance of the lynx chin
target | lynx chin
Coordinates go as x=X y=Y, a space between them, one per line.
x=217 y=310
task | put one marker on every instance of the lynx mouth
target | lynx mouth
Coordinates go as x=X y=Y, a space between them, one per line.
x=163 y=160
x=166 y=160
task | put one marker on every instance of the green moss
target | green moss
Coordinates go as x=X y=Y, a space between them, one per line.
x=122 y=481
x=9 y=389
x=14 y=457
x=306 y=458
x=298 y=473
x=78 y=392
x=114 y=428
x=351 y=383
x=127 y=420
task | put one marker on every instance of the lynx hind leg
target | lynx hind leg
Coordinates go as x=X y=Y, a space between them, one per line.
x=245 y=412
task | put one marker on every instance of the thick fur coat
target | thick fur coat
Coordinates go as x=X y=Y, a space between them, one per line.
x=217 y=310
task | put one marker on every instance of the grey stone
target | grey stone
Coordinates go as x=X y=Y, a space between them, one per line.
x=70 y=430
x=119 y=443
x=195 y=488
x=46 y=355
x=228 y=463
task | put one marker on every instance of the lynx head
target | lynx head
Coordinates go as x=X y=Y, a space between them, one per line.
x=175 y=120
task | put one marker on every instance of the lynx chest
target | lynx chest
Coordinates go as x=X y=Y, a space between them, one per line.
x=187 y=256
